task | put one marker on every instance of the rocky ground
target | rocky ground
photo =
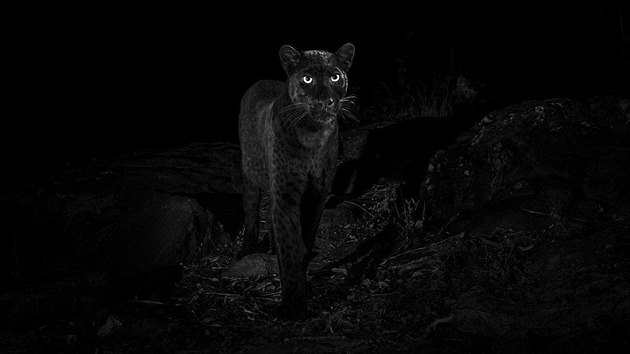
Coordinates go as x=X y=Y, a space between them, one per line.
x=512 y=236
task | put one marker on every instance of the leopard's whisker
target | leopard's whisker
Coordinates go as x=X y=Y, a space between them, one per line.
x=297 y=120
x=290 y=107
x=294 y=117
x=349 y=99
x=345 y=113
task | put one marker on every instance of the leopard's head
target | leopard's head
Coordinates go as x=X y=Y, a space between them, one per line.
x=317 y=80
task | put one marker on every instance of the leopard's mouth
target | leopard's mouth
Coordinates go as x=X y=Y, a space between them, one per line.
x=323 y=114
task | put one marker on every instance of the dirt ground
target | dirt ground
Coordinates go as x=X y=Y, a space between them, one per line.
x=517 y=243
x=378 y=289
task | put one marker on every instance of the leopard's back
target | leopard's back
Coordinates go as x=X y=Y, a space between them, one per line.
x=259 y=94
x=255 y=128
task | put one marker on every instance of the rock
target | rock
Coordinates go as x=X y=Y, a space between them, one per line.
x=163 y=231
x=192 y=169
x=343 y=214
x=69 y=221
x=530 y=161
x=581 y=295
x=610 y=112
x=253 y=265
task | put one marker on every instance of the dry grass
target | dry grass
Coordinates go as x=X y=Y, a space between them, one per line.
x=411 y=101
x=433 y=100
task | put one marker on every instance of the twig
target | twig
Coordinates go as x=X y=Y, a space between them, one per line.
x=278 y=293
x=501 y=299
x=419 y=249
x=440 y=321
x=535 y=212
x=316 y=338
x=214 y=280
x=360 y=207
x=220 y=294
x=262 y=298
x=412 y=265
x=384 y=294
x=149 y=302
x=404 y=254
x=489 y=243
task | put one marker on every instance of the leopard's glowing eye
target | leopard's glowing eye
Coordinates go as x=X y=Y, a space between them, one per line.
x=335 y=78
x=307 y=79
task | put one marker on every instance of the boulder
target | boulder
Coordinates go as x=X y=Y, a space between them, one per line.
x=164 y=231
x=253 y=265
x=530 y=161
x=342 y=214
x=191 y=169
x=145 y=210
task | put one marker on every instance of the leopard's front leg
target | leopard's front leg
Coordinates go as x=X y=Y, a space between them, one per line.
x=291 y=251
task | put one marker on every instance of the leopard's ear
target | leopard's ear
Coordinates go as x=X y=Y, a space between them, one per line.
x=289 y=57
x=345 y=54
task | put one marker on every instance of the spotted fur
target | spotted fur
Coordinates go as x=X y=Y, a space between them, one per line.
x=288 y=136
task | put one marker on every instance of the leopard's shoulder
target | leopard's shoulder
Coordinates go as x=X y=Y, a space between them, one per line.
x=261 y=93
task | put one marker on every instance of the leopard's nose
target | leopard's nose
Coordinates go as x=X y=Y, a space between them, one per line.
x=327 y=103
x=324 y=104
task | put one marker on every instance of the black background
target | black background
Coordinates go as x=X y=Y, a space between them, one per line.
x=110 y=79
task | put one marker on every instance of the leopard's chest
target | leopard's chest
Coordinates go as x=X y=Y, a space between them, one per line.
x=312 y=164
x=288 y=165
